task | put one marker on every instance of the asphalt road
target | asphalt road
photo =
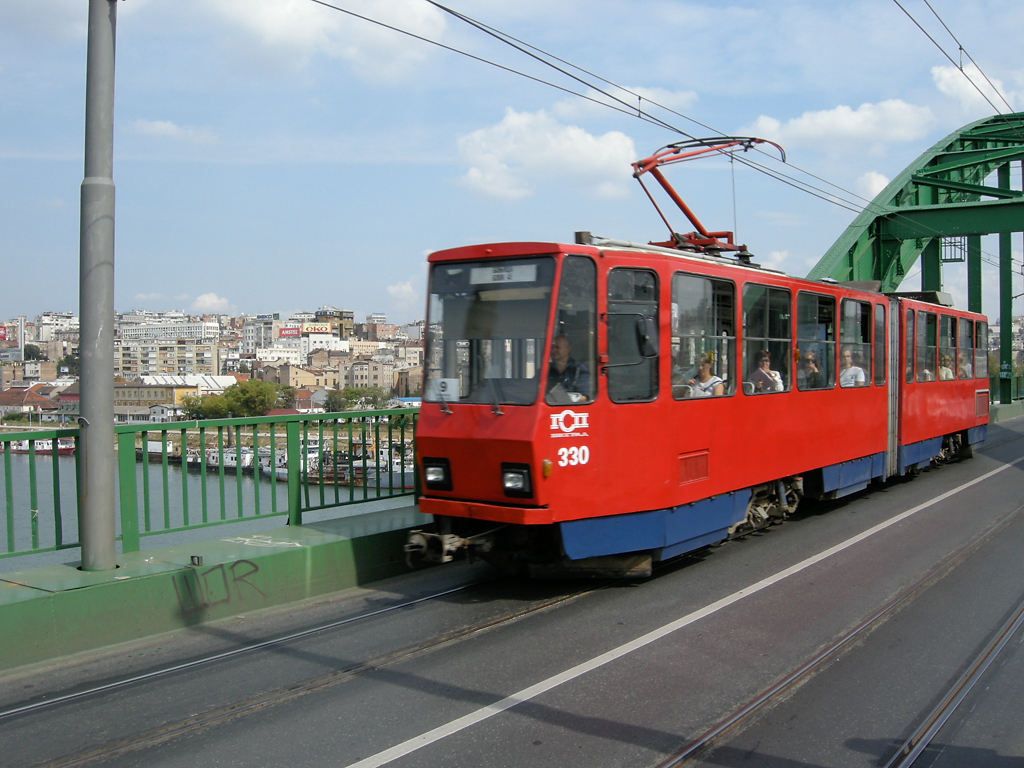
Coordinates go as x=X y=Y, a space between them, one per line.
x=506 y=673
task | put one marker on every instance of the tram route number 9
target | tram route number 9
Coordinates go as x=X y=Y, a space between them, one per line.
x=573 y=455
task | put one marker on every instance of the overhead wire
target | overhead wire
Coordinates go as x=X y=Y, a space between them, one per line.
x=640 y=112
x=641 y=98
x=854 y=206
x=545 y=56
x=620 y=105
x=480 y=59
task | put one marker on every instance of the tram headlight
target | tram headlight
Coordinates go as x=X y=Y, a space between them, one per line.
x=437 y=474
x=515 y=480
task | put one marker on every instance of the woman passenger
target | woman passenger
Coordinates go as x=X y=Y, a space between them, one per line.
x=946 y=368
x=705 y=383
x=763 y=377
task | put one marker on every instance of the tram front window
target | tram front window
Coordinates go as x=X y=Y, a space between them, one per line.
x=486 y=324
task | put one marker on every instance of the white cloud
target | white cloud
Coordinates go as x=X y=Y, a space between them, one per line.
x=297 y=30
x=506 y=159
x=402 y=292
x=406 y=301
x=870 y=125
x=209 y=303
x=777 y=259
x=169 y=130
x=871 y=183
x=958 y=86
x=144 y=298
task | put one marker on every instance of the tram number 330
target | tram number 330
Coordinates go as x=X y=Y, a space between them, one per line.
x=573 y=456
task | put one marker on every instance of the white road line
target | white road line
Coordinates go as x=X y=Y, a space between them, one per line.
x=526 y=694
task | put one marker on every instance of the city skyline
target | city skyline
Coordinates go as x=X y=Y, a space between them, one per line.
x=271 y=155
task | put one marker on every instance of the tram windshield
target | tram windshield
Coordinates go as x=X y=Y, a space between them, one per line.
x=486 y=324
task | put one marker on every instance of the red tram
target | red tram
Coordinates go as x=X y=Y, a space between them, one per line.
x=631 y=462
x=688 y=396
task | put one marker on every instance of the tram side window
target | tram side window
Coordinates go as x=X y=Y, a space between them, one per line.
x=908 y=353
x=947 y=347
x=632 y=314
x=767 y=339
x=879 y=344
x=927 y=328
x=573 y=363
x=981 y=349
x=703 y=344
x=855 y=344
x=965 y=349
x=815 y=341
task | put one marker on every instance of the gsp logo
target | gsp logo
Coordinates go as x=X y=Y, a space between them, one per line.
x=567 y=422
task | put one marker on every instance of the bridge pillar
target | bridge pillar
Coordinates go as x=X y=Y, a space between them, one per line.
x=931 y=266
x=1005 y=303
x=974 y=273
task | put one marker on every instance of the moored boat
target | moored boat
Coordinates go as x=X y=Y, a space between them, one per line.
x=65 y=446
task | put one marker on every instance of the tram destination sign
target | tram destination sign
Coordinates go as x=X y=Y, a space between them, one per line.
x=503 y=273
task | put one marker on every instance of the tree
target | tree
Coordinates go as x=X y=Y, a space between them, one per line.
x=336 y=401
x=251 y=398
x=285 y=397
x=70 y=362
x=374 y=397
x=32 y=352
x=205 y=407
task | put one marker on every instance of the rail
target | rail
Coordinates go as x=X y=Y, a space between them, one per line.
x=181 y=476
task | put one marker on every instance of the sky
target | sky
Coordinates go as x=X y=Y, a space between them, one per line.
x=280 y=155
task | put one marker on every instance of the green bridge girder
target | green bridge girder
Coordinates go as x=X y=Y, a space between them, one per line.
x=941 y=194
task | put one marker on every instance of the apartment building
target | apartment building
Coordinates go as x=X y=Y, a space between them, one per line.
x=204 y=330
x=371 y=373
x=135 y=394
x=133 y=359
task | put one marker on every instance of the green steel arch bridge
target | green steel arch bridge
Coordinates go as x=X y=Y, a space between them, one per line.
x=936 y=210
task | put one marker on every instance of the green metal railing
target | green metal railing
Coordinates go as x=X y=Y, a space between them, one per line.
x=30 y=525
x=182 y=476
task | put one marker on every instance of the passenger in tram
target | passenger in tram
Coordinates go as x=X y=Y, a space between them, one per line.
x=946 y=368
x=705 y=383
x=809 y=375
x=964 y=368
x=763 y=377
x=850 y=375
x=566 y=372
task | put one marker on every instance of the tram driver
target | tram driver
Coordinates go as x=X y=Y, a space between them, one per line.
x=566 y=374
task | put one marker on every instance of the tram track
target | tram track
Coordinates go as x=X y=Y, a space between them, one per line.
x=220 y=656
x=925 y=731
x=263 y=700
x=223 y=714
x=931 y=725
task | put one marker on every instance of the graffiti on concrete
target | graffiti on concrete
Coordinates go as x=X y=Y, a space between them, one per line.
x=199 y=589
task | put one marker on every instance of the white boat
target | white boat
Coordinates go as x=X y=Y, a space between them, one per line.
x=65 y=446
x=231 y=456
